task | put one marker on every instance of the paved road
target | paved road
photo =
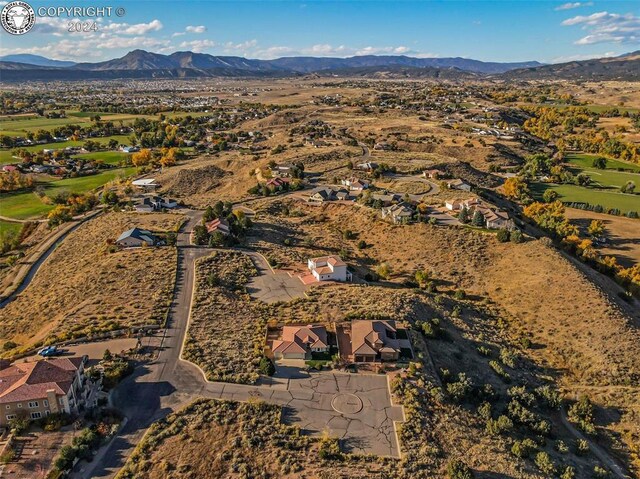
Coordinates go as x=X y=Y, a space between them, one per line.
x=315 y=401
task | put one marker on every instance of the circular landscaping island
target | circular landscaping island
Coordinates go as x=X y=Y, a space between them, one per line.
x=346 y=403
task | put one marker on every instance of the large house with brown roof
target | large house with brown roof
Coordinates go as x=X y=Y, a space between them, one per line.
x=373 y=341
x=329 y=268
x=299 y=342
x=37 y=389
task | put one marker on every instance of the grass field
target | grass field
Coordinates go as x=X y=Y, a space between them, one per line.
x=5 y=155
x=9 y=226
x=579 y=194
x=27 y=205
x=108 y=157
x=584 y=160
x=21 y=125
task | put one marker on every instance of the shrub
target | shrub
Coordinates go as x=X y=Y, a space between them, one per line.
x=457 y=469
x=516 y=236
x=600 y=472
x=568 y=473
x=499 y=370
x=460 y=294
x=458 y=390
x=503 y=235
x=266 y=366
x=582 y=447
x=561 y=446
x=498 y=426
x=544 y=463
x=383 y=270
x=524 y=448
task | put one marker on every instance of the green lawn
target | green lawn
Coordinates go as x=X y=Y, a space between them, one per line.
x=579 y=194
x=9 y=226
x=108 y=157
x=26 y=205
x=585 y=160
x=5 y=155
x=19 y=125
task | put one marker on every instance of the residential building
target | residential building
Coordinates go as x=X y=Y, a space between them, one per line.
x=458 y=184
x=368 y=166
x=37 y=389
x=145 y=184
x=300 y=342
x=323 y=193
x=400 y=213
x=433 y=174
x=386 y=199
x=219 y=225
x=329 y=268
x=136 y=237
x=278 y=183
x=373 y=341
x=355 y=184
x=155 y=203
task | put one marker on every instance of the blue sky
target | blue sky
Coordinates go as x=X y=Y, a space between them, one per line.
x=486 y=30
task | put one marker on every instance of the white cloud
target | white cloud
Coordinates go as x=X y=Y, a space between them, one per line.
x=605 y=27
x=196 y=29
x=243 y=46
x=401 y=50
x=137 y=29
x=572 y=5
x=198 y=45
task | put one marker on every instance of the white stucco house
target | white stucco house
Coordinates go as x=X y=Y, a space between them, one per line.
x=329 y=268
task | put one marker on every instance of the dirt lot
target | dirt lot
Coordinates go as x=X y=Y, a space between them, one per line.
x=622 y=234
x=37 y=451
x=117 y=289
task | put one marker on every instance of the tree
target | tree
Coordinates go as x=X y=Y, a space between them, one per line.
x=200 y=235
x=266 y=366
x=59 y=215
x=596 y=228
x=478 y=219
x=549 y=196
x=142 y=157
x=515 y=188
x=503 y=235
x=600 y=162
x=107 y=356
x=463 y=216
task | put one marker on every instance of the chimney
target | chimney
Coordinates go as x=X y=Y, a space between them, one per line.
x=53 y=401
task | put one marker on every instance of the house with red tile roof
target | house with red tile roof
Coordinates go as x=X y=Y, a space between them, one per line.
x=299 y=342
x=373 y=341
x=219 y=225
x=37 y=389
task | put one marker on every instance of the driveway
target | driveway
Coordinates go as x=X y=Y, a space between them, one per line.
x=272 y=286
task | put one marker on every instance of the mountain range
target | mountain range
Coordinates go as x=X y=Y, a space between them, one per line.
x=143 y=64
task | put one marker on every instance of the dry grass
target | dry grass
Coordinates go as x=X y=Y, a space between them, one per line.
x=84 y=289
x=621 y=232
x=243 y=440
x=225 y=333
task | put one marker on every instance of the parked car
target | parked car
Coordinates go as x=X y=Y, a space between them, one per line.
x=51 y=351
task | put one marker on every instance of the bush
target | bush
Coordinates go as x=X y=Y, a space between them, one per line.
x=503 y=235
x=457 y=469
x=600 y=472
x=524 y=448
x=516 y=236
x=266 y=366
x=544 y=463
x=582 y=447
